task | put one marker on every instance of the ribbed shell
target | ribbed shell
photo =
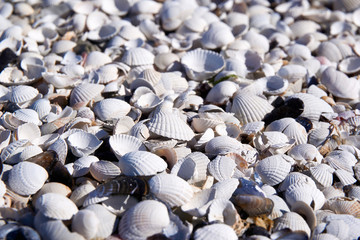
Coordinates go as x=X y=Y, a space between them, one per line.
x=42 y=107
x=290 y=128
x=83 y=143
x=29 y=131
x=171 y=189
x=344 y=205
x=61 y=148
x=121 y=144
x=274 y=169
x=305 y=152
x=218 y=35
x=137 y=57
x=250 y=108
x=217 y=231
x=83 y=93
x=56 y=206
x=345 y=177
x=141 y=163
x=22 y=93
x=110 y=108
x=27 y=116
x=82 y=165
x=280 y=207
x=145 y=219
x=293 y=178
x=103 y=170
x=222 y=145
x=86 y=223
x=108 y=221
x=293 y=221
x=222 y=168
x=323 y=174
x=26 y=178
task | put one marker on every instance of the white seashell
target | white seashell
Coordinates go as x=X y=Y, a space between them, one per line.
x=96 y=19
x=96 y=59
x=224 y=211
x=222 y=92
x=23 y=9
x=202 y=64
x=6 y=10
x=293 y=178
x=140 y=131
x=200 y=202
x=345 y=177
x=302 y=27
x=121 y=144
x=339 y=84
x=79 y=194
x=115 y=7
x=26 y=178
x=118 y=204
x=323 y=174
x=217 y=231
x=22 y=93
x=110 y=108
x=141 y=163
x=292 y=72
x=274 y=169
x=108 y=221
x=42 y=107
x=58 y=80
x=29 y=131
x=344 y=205
x=299 y=50
x=82 y=165
x=83 y=143
x=305 y=153
x=258 y=42
x=250 y=108
x=51 y=187
x=86 y=223
x=171 y=189
x=222 y=168
x=61 y=148
x=83 y=93
x=137 y=57
x=56 y=206
x=218 y=35
x=4 y=138
x=292 y=221
x=280 y=207
x=26 y=153
x=104 y=170
x=222 y=145
x=291 y=128
x=62 y=46
x=147 y=102
x=145 y=219
x=329 y=50
x=12 y=149
x=27 y=116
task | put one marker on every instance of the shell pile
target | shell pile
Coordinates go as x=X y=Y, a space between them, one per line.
x=180 y=119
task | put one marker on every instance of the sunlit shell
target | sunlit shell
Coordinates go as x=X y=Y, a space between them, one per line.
x=122 y=144
x=291 y=128
x=258 y=42
x=217 y=35
x=29 y=131
x=103 y=170
x=292 y=72
x=79 y=194
x=137 y=57
x=23 y=93
x=323 y=174
x=293 y=178
x=217 y=231
x=111 y=108
x=83 y=93
x=42 y=107
x=222 y=145
x=200 y=202
x=344 y=205
x=222 y=168
x=108 y=220
x=202 y=64
x=51 y=187
x=83 y=143
x=141 y=163
x=27 y=178
x=305 y=153
x=250 y=108
x=82 y=165
x=145 y=219
x=86 y=223
x=345 y=177
x=293 y=221
x=280 y=207
x=96 y=59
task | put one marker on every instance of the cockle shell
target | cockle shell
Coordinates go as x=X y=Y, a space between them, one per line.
x=222 y=145
x=86 y=223
x=291 y=128
x=344 y=205
x=137 y=57
x=274 y=169
x=28 y=131
x=141 y=163
x=293 y=221
x=22 y=93
x=121 y=144
x=292 y=72
x=83 y=143
x=110 y=108
x=202 y=64
x=222 y=168
x=217 y=36
x=221 y=92
x=323 y=174
x=83 y=93
x=217 y=231
x=51 y=187
x=56 y=206
x=27 y=178
x=171 y=189
x=27 y=116
x=249 y=108
x=103 y=170
x=145 y=219
x=305 y=153
x=108 y=220
x=293 y=178
x=42 y=107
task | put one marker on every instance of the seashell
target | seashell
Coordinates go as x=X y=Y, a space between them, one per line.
x=22 y=93
x=103 y=33
x=249 y=108
x=56 y=206
x=163 y=60
x=200 y=202
x=96 y=59
x=224 y=211
x=171 y=189
x=343 y=205
x=121 y=144
x=137 y=57
x=273 y=142
x=104 y=170
x=302 y=27
x=86 y=223
x=25 y=154
x=208 y=64
x=292 y=221
x=218 y=35
x=108 y=220
x=345 y=177
x=58 y=80
x=23 y=180
x=222 y=168
x=292 y=72
x=147 y=102
x=110 y=108
x=254 y=205
x=141 y=163
x=323 y=174
x=305 y=153
x=293 y=178
x=118 y=204
x=258 y=42
x=222 y=145
x=335 y=82
x=329 y=50
x=153 y=213
x=341 y=160
x=167 y=124
x=83 y=93
x=83 y=143
x=333 y=191
x=299 y=50
x=6 y=10
x=346 y=5
x=202 y=124
x=23 y=9
x=280 y=207
x=4 y=138
x=115 y=7
x=53 y=187
x=42 y=107
x=217 y=230
x=28 y=131
x=274 y=169
x=305 y=211
x=12 y=149
x=61 y=148
x=79 y=194
x=62 y=46
x=291 y=128
x=27 y=116
x=82 y=165
x=222 y=92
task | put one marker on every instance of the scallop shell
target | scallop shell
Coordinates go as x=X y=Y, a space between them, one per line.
x=28 y=131
x=23 y=93
x=292 y=72
x=121 y=144
x=344 y=205
x=110 y=108
x=104 y=170
x=79 y=194
x=171 y=189
x=222 y=168
x=217 y=36
x=224 y=211
x=141 y=163
x=83 y=143
x=293 y=178
x=291 y=128
x=27 y=178
x=56 y=206
x=202 y=64
x=274 y=169
x=345 y=177
x=222 y=92
x=339 y=84
x=83 y=93
x=217 y=231
x=42 y=107
x=82 y=165
x=280 y=207
x=137 y=57
x=61 y=148
x=108 y=221
x=27 y=116
x=323 y=174
x=145 y=219
x=305 y=153
x=250 y=108
x=86 y=223
x=292 y=221
x=222 y=145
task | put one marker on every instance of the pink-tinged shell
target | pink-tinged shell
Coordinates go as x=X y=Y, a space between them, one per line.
x=344 y=205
